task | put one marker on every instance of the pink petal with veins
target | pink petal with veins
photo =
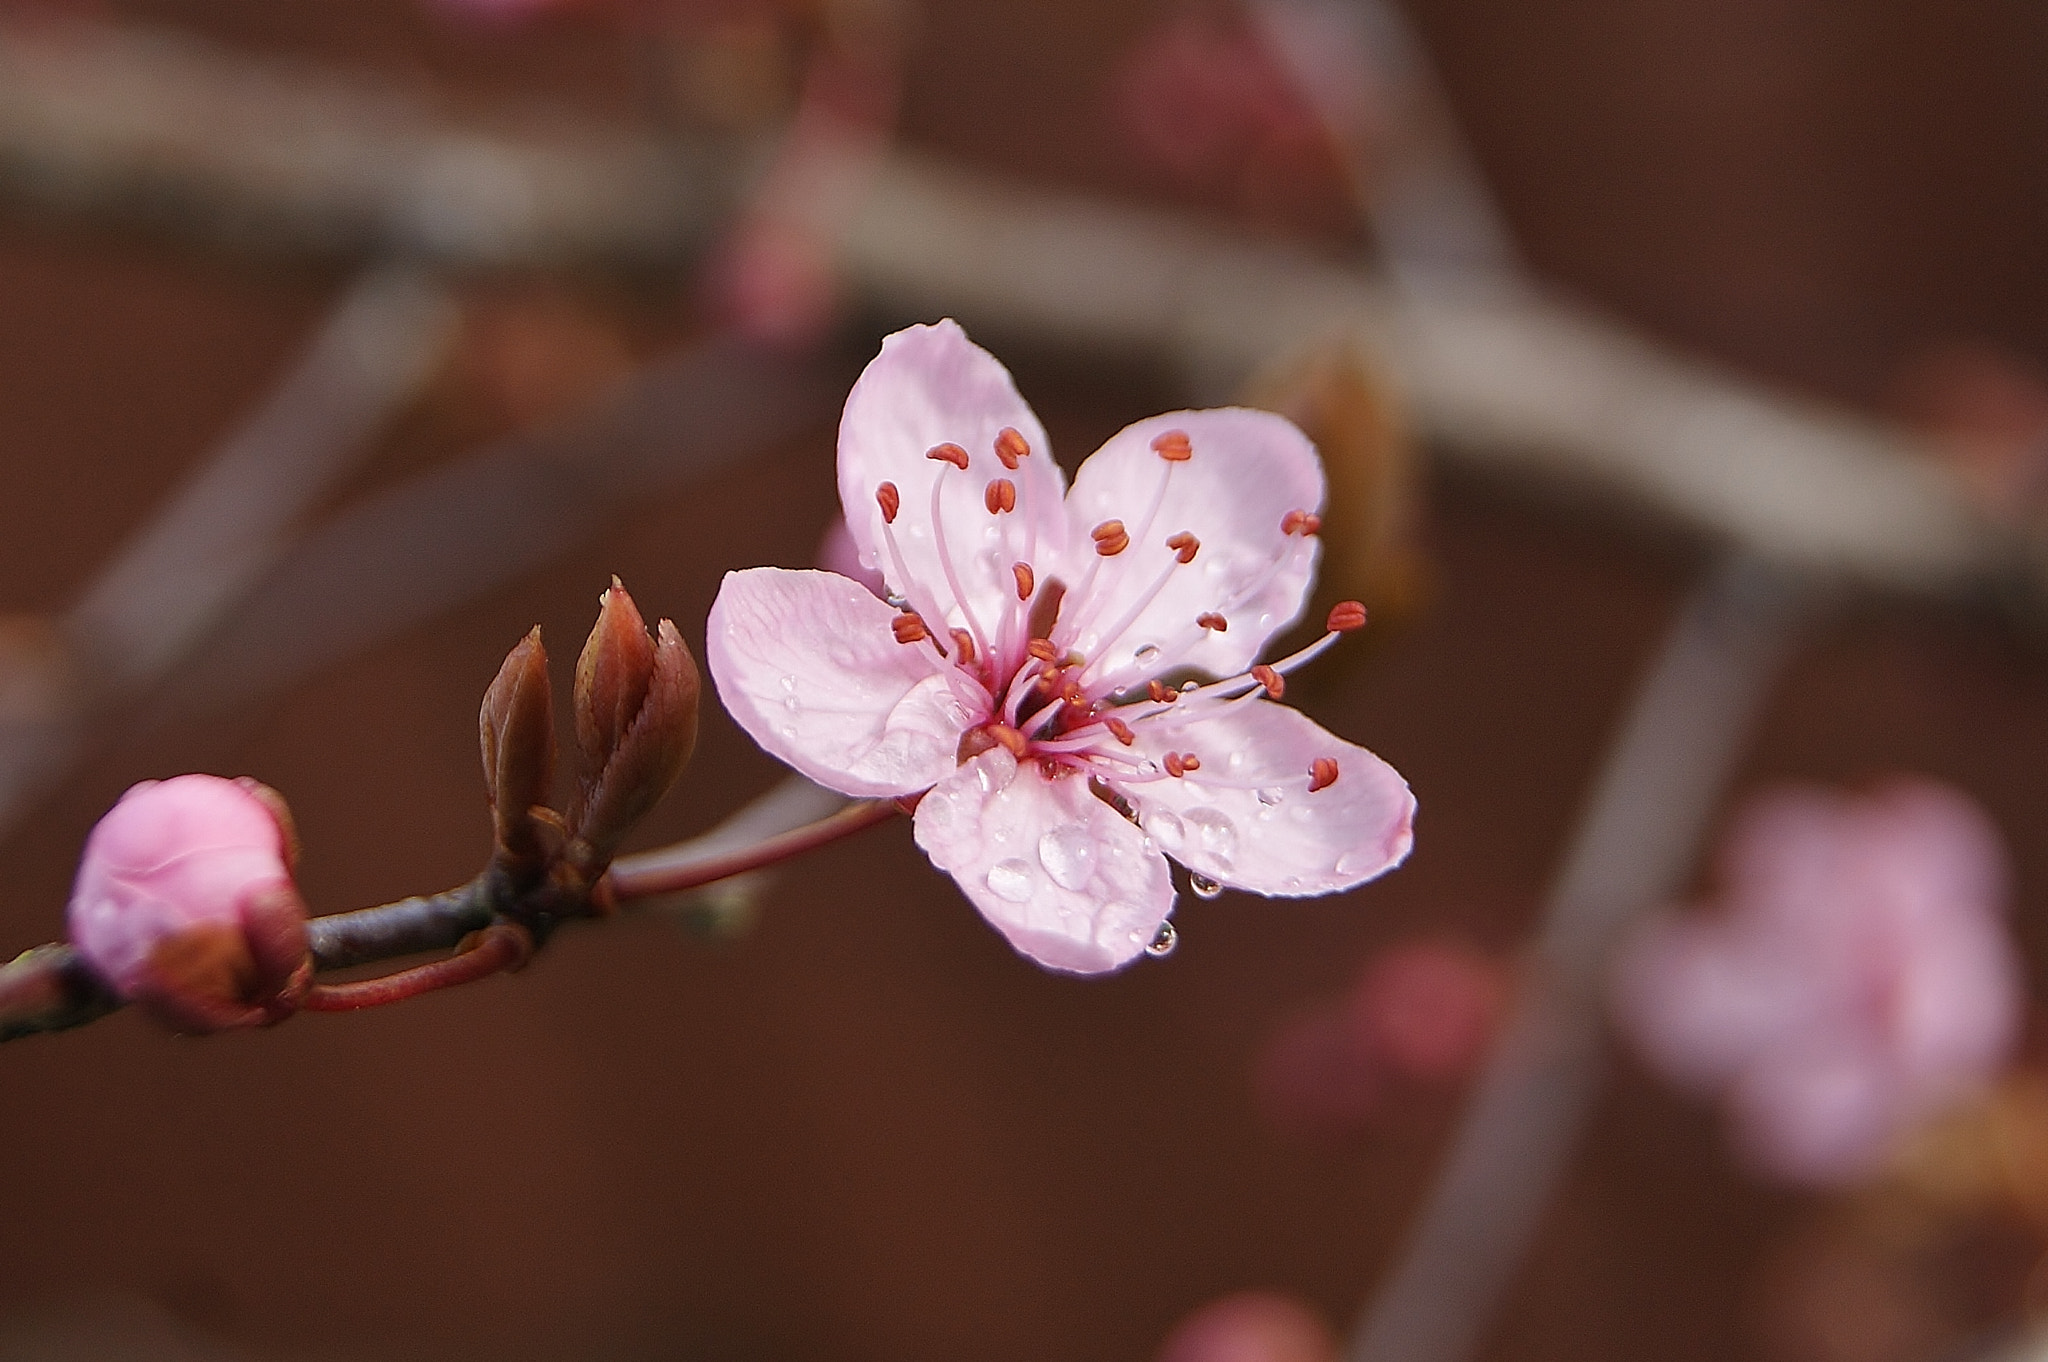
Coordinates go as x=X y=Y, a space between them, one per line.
x=1067 y=879
x=1247 y=471
x=1247 y=819
x=932 y=386
x=805 y=662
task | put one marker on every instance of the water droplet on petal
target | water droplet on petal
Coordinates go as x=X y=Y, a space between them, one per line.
x=1236 y=761
x=1187 y=686
x=1068 y=855
x=1147 y=654
x=789 y=685
x=1164 y=941
x=997 y=769
x=1215 y=835
x=1271 y=795
x=1353 y=862
x=1204 y=887
x=1012 y=880
x=897 y=600
x=1167 y=828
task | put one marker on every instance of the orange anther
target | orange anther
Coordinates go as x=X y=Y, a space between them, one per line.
x=1110 y=538
x=1300 y=522
x=1173 y=765
x=909 y=627
x=1001 y=496
x=963 y=647
x=948 y=453
x=1041 y=649
x=1211 y=620
x=1173 y=446
x=1011 y=447
x=1119 y=730
x=1009 y=738
x=891 y=502
x=1346 y=616
x=1160 y=694
x=1190 y=762
x=1026 y=580
x=1275 y=684
x=1184 y=546
x=1322 y=773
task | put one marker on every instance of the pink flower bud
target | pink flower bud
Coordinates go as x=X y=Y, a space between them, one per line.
x=185 y=905
x=1251 y=1326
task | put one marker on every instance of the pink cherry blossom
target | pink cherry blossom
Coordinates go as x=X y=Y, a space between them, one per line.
x=1019 y=683
x=184 y=903
x=1857 y=979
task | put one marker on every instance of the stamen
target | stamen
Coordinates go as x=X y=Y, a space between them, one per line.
x=1119 y=730
x=946 y=557
x=891 y=501
x=1178 y=764
x=1212 y=620
x=1110 y=538
x=1011 y=447
x=1184 y=546
x=1346 y=616
x=1042 y=649
x=1014 y=741
x=1301 y=522
x=1160 y=694
x=1322 y=773
x=909 y=627
x=948 y=453
x=1001 y=496
x=1275 y=684
x=1173 y=446
x=1026 y=580
x=963 y=644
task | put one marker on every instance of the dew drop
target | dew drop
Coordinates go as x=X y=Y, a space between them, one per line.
x=1215 y=835
x=897 y=600
x=1167 y=829
x=1204 y=887
x=1236 y=761
x=789 y=685
x=996 y=770
x=1163 y=941
x=1187 y=686
x=1068 y=855
x=1352 y=862
x=789 y=703
x=1271 y=795
x=1012 y=880
x=1146 y=654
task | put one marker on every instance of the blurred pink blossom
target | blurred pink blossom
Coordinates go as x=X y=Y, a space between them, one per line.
x=1017 y=688
x=1421 y=1013
x=1251 y=1326
x=1856 y=978
x=184 y=903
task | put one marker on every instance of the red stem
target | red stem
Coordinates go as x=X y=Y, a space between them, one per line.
x=502 y=946
x=674 y=869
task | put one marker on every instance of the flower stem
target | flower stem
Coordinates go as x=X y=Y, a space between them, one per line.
x=500 y=946
x=686 y=866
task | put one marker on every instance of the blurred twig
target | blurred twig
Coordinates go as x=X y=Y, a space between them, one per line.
x=1653 y=797
x=228 y=524
x=1503 y=378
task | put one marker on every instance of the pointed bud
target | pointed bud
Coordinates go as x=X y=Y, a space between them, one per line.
x=184 y=904
x=636 y=721
x=516 y=728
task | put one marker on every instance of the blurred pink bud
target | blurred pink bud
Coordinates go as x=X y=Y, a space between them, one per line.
x=1316 y=1080
x=1428 y=1009
x=185 y=905
x=1857 y=978
x=1251 y=1326
x=1203 y=99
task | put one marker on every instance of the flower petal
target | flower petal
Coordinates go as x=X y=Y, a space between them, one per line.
x=932 y=386
x=1246 y=818
x=807 y=665
x=1248 y=469
x=1067 y=879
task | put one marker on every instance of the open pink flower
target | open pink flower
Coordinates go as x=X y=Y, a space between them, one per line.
x=1858 y=979
x=1019 y=681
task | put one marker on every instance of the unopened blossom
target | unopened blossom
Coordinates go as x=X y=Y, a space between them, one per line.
x=184 y=903
x=1857 y=978
x=1033 y=674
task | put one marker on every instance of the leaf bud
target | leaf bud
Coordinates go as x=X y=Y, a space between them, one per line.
x=636 y=722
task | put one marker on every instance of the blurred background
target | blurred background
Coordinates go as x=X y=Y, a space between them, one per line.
x=340 y=344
